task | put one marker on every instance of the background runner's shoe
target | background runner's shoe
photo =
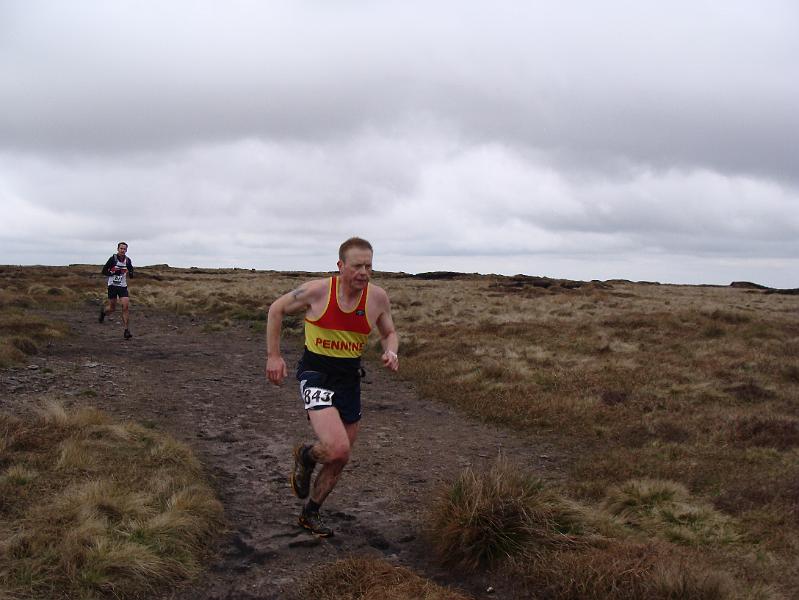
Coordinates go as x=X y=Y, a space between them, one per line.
x=102 y=314
x=313 y=523
x=301 y=473
x=127 y=335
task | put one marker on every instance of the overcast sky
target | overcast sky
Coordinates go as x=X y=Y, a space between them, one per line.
x=586 y=140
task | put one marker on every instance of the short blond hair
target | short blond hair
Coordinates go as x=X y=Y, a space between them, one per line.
x=353 y=242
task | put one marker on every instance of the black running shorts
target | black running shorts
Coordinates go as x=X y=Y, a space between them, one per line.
x=318 y=392
x=117 y=291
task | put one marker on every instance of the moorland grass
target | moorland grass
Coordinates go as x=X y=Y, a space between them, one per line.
x=91 y=508
x=695 y=385
x=620 y=570
x=363 y=578
x=484 y=519
x=665 y=509
x=23 y=330
x=691 y=385
x=548 y=546
x=22 y=334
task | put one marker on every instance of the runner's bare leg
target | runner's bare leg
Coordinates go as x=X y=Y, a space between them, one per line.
x=336 y=439
x=125 y=311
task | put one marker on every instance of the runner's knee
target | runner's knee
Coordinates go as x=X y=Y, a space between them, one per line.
x=337 y=453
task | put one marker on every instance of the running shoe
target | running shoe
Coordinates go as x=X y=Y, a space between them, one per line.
x=301 y=473
x=102 y=314
x=127 y=335
x=313 y=523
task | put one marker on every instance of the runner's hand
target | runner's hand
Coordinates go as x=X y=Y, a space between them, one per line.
x=390 y=360
x=276 y=369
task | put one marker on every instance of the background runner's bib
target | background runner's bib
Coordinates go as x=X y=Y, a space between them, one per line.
x=337 y=333
x=120 y=279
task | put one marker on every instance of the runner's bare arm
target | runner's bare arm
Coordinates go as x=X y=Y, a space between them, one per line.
x=388 y=335
x=288 y=304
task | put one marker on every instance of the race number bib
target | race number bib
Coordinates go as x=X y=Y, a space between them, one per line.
x=118 y=278
x=315 y=397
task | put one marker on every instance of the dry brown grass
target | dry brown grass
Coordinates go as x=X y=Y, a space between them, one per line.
x=485 y=519
x=22 y=334
x=766 y=431
x=619 y=571
x=692 y=385
x=91 y=508
x=637 y=545
x=361 y=578
x=688 y=384
x=666 y=509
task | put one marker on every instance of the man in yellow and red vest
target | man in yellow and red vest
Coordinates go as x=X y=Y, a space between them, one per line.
x=340 y=312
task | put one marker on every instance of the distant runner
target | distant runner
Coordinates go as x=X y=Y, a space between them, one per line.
x=340 y=312
x=118 y=268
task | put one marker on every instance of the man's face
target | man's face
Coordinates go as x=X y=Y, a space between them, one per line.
x=121 y=249
x=356 y=268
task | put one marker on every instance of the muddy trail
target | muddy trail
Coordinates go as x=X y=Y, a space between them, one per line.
x=208 y=389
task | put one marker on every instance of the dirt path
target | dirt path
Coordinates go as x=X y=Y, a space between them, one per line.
x=208 y=389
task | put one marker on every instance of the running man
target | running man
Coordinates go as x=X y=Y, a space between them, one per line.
x=340 y=312
x=118 y=268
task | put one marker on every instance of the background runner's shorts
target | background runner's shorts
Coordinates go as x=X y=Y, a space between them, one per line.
x=117 y=291
x=346 y=398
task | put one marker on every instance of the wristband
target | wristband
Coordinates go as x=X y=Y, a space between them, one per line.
x=392 y=353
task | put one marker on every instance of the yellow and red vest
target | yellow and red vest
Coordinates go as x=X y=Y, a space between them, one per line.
x=337 y=333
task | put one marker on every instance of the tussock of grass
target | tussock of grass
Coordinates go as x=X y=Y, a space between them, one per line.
x=54 y=413
x=556 y=549
x=25 y=345
x=93 y=507
x=372 y=579
x=22 y=334
x=17 y=475
x=9 y=354
x=666 y=509
x=618 y=571
x=489 y=517
x=673 y=582
x=33 y=326
x=75 y=454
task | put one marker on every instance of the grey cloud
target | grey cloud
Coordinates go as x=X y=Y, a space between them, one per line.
x=649 y=85
x=431 y=197
x=612 y=135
